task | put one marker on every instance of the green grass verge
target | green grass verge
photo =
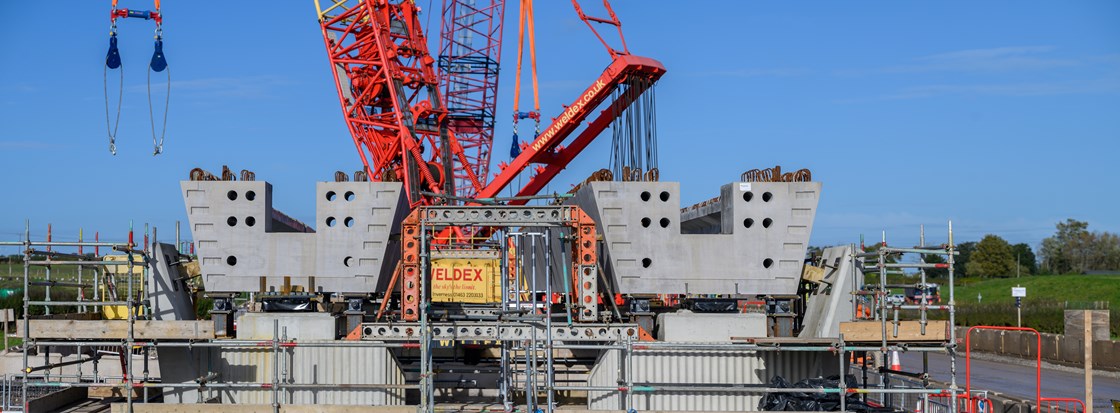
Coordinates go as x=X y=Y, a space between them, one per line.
x=1048 y=296
x=1041 y=288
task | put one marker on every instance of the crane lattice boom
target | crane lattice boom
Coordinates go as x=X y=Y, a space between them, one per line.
x=388 y=89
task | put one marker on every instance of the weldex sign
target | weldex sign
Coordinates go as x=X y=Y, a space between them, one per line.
x=465 y=280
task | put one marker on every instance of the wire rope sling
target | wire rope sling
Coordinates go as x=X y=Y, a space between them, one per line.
x=525 y=21
x=157 y=64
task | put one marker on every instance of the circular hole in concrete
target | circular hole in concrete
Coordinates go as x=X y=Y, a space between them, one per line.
x=646 y=262
x=664 y=222
x=645 y=195
x=767 y=262
x=331 y=221
x=346 y=261
x=747 y=196
x=664 y=196
x=349 y=196
x=766 y=196
x=646 y=221
x=250 y=195
x=231 y=221
x=231 y=260
x=349 y=221
x=232 y=195
x=250 y=221
x=331 y=195
x=766 y=222
x=748 y=222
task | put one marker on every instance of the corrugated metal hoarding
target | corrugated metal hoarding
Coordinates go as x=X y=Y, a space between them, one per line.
x=699 y=367
x=342 y=369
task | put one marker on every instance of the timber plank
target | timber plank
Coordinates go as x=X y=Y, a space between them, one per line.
x=118 y=329
x=908 y=331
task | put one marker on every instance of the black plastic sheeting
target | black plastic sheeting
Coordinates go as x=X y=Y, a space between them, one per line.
x=814 y=402
x=713 y=306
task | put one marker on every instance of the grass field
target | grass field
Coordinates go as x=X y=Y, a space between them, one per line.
x=1042 y=288
x=11 y=275
x=1048 y=296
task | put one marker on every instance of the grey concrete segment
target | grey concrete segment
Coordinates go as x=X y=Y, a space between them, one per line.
x=646 y=252
x=241 y=238
x=686 y=326
x=833 y=302
x=294 y=326
x=167 y=288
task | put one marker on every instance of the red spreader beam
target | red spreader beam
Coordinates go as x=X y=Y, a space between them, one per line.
x=548 y=152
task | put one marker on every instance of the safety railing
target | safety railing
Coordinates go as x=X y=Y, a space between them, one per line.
x=1060 y=405
x=1045 y=404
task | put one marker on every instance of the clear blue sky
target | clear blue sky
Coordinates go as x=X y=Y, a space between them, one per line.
x=1002 y=115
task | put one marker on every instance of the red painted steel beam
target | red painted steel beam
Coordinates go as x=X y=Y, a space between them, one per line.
x=547 y=151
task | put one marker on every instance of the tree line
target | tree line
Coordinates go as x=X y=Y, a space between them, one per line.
x=1073 y=249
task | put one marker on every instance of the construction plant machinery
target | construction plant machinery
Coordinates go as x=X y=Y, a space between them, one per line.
x=419 y=285
x=417 y=267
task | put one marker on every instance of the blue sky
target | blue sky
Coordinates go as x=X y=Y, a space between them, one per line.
x=1003 y=116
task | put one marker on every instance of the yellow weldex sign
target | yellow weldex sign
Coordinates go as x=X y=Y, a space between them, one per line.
x=462 y=280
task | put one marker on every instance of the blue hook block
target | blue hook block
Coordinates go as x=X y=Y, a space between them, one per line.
x=515 y=147
x=113 y=59
x=159 y=62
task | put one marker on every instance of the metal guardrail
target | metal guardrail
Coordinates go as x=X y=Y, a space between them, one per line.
x=910 y=402
x=11 y=392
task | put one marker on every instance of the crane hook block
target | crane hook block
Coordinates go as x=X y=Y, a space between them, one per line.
x=159 y=62
x=515 y=147
x=113 y=59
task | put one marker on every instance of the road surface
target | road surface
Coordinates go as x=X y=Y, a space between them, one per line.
x=1016 y=377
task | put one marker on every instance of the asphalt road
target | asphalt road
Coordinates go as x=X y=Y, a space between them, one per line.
x=1016 y=377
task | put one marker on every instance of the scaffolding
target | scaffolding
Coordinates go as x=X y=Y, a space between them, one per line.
x=521 y=354
x=38 y=380
x=887 y=260
x=526 y=326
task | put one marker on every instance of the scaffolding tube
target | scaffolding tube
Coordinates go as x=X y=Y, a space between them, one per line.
x=514 y=296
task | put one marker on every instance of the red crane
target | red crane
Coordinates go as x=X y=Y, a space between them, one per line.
x=469 y=54
x=389 y=92
x=627 y=77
